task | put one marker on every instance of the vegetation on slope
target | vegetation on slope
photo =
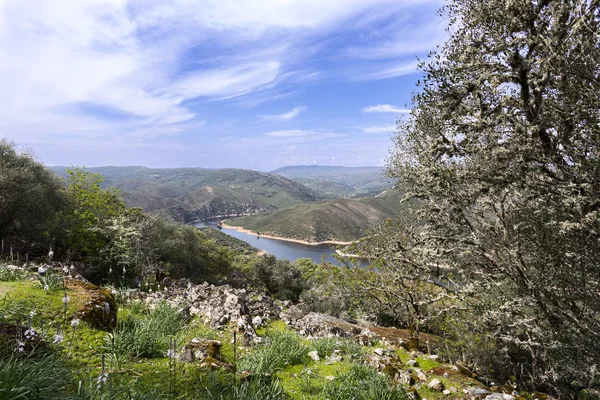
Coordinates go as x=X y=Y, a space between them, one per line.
x=332 y=220
x=339 y=181
x=189 y=194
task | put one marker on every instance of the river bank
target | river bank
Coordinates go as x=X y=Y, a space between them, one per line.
x=304 y=242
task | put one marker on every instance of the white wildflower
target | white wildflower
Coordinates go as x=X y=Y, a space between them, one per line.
x=41 y=270
x=30 y=333
x=102 y=378
x=65 y=270
x=72 y=267
x=75 y=322
x=46 y=287
x=32 y=313
x=110 y=270
x=66 y=299
x=20 y=346
x=171 y=353
x=58 y=338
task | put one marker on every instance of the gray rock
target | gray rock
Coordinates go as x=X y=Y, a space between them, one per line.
x=412 y=363
x=378 y=351
x=499 y=396
x=436 y=385
x=314 y=355
x=475 y=392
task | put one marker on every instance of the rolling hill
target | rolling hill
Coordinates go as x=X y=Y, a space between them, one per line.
x=336 y=182
x=189 y=194
x=332 y=220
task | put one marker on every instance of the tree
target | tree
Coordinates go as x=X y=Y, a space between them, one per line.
x=90 y=210
x=30 y=198
x=502 y=150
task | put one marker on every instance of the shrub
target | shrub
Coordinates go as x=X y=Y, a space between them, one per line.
x=280 y=349
x=362 y=383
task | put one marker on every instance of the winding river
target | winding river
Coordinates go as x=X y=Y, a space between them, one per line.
x=279 y=248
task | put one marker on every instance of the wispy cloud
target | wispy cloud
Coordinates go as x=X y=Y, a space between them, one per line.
x=380 y=129
x=285 y=116
x=385 y=108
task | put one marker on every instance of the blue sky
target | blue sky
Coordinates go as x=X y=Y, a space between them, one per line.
x=210 y=83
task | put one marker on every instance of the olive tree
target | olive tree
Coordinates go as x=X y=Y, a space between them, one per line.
x=502 y=151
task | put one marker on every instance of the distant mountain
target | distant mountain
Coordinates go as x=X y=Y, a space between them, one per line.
x=332 y=220
x=339 y=181
x=188 y=194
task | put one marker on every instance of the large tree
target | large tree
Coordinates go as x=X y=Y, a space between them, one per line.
x=30 y=198
x=502 y=150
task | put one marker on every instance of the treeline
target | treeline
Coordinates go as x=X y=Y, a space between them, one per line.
x=75 y=220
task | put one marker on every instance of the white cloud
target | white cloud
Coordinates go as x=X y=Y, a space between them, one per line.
x=285 y=116
x=380 y=129
x=385 y=108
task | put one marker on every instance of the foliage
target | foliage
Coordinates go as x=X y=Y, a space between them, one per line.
x=281 y=278
x=502 y=150
x=7 y=275
x=30 y=198
x=90 y=209
x=215 y=386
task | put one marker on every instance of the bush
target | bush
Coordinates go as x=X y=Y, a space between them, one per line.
x=362 y=383
x=281 y=278
x=7 y=275
x=326 y=346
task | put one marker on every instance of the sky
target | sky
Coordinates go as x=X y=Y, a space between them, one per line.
x=255 y=84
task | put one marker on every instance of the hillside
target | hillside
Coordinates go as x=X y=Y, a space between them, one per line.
x=188 y=194
x=332 y=220
x=336 y=181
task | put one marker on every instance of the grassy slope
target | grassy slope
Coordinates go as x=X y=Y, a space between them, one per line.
x=342 y=219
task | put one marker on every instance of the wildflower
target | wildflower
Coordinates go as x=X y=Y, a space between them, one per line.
x=124 y=270
x=102 y=378
x=75 y=322
x=30 y=333
x=20 y=346
x=72 y=267
x=41 y=270
x=33 y=313
x=65 y=270
x=46 y=287
x=66 y=299
x=58 y=339
x=110 y=270
x=171 y=353
x=50 y=254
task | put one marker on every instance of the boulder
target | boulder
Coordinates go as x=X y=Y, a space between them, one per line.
x=314 y=355
x=100 y=307
x=198 y=349
x=436 y=385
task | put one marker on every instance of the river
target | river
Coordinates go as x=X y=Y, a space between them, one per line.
x=279 y=248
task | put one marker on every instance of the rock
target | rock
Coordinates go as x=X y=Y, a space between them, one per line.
x=335 y=357
x=378 y=351
x=477 y=392
x=330 y=377
x=433 y=357
x=436 y=385
x=100 y=309
x=412 y=363
x=404 y=378
x=499 y=396
x=200 y=350
x=446 y=392
x=464 y=370
x=257 y=321
x=314 y=355
x=421 y=375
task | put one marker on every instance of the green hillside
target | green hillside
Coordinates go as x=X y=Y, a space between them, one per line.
x=188 y=194
x=335 y=220
x=336 y=181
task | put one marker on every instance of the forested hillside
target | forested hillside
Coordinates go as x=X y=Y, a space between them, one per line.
x=189 y=194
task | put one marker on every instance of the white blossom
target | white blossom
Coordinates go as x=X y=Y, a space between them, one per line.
x=58 y=338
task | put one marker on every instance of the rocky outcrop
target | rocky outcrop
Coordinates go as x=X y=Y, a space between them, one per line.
x=221 y=306
x=100 y=308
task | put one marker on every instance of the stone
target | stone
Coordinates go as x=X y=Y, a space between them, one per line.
x=335 y=357
x=436 y=385
x=412 y=363
x=446 y=392
x=199 y=349
x=378 y=351
x=404 y=378
x=257 y=321
x=314 y=355
x=100 y=309
x=330 y=377
x=421 y=375
x=477 y=392
x=499 y=396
